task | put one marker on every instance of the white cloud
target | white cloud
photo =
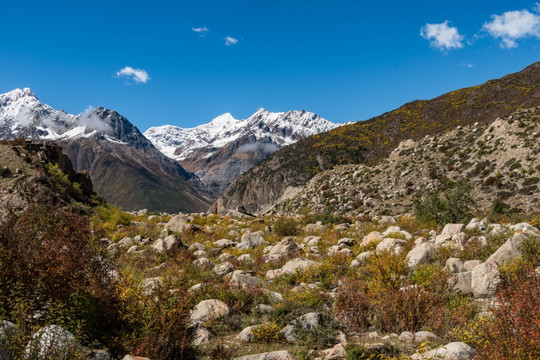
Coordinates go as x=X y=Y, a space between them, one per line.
x=442 y=36
x=200 y=30
x=92 y=121
x=137 y=75
x=513 y=25
x=229 y=40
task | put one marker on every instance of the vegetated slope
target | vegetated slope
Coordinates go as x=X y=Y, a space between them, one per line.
x=39 y=172
x=372 y=140
x=499 y=159
x=221 y=150
x=124 y=166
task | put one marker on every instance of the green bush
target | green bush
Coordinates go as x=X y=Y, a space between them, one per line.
x=452 y=204
x=286 y=227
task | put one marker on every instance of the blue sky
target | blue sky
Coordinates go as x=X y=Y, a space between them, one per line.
x=184 y=62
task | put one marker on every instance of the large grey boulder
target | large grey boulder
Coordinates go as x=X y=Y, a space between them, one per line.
x=207 y=310
x=251 y=240
x=511 y=249
x=308 y=321
x=286 y=247
x=169 y=243
x=273 y=355
x=241 y=279
x=291 y=267
x=178 y=224
x=390 y=244
x=53 y=342
x=7 y=330
x=223 y=269
x=419 y=254
x=451 y=229
x=224 y=243
x=452 y=351
x=246 y=335
x=484 y=279
x=373 y=236
x=422 y=336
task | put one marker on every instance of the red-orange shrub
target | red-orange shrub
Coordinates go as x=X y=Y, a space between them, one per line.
x=514 y=330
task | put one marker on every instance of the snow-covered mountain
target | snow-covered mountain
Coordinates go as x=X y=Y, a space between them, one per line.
x=224 y=148
x=124 y=166
x=282 y=128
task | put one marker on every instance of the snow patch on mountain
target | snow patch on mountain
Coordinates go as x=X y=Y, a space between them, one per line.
x=23 y=115
x=277 y=129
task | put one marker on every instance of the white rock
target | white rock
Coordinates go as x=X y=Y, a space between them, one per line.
x=484 y=279
x=206 y=310
x=452 y=351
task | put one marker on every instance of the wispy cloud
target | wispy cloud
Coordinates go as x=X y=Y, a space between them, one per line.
x=514 y=25
x=442 y=36
x=229 y=40
x=200 y=30
x=137 y=75
x=466 y=64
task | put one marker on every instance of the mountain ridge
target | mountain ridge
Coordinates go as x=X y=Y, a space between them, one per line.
x=219 y=151
x=371 y=140
x=125 y=167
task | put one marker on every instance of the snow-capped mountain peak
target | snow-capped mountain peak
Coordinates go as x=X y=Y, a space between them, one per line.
x=280 y=128
x=22 y=114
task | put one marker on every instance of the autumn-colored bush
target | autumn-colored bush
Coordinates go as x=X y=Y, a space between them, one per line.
x=352 y=306
x=513 y=332
x=53 y=265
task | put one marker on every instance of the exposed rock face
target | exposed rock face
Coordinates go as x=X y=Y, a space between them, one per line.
x=25 y=177
x=262 y=187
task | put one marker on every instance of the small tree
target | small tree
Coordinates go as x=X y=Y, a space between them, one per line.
x=451 y=204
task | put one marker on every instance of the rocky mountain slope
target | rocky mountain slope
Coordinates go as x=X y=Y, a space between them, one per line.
x=124 y=166
x=39 y=173
x=499 y=159
x=372 y=140
x=221 y=150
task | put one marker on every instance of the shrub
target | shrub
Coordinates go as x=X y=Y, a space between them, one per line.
x=514 y=330
x=268 y=333
x=453 y=204
x=352 y=305
x=52 y=264
x=286 y=227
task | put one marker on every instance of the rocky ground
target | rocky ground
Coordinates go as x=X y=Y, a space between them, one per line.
x=279 y=288
x=500 y=160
